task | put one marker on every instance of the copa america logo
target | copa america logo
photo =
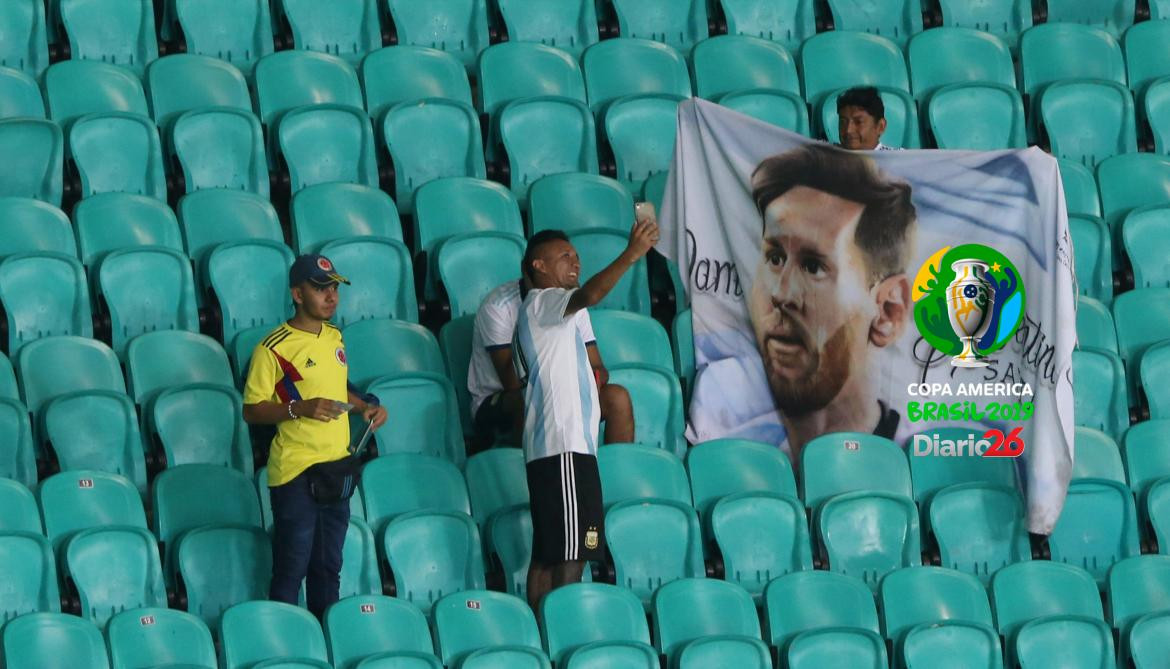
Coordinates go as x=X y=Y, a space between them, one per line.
x=968 y=302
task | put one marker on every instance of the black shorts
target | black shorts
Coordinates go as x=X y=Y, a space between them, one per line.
x=491 y=421
x=567 y=514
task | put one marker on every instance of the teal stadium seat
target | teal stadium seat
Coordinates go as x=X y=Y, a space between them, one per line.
x=250 y=280
x=329 y=212
x=979 y=528
x=381 y=347
x=405 y=73
x=289 y=79
x=379 y=631
x=730 y=63
x=1080 y=188
x=221 y=148
x=28 y=225
x=328 y=143
x=779 y=109
x=53 y=641
x=20 y=508
x=931 y=474
x=657 y=402
x=574 y=201
x=1143 y=233
x=1030 y=596
x=640 y=131
x=18 y=455
x=1093 y=256
x=184 y=82
x=432 y=554
x=1154 y=363
x=508 y=536
x=570 y=25
x=789 y=23
x=1145 y=61
x=237 y=32
x=209 y=218
x=44 y=294
x=459 y=27
x=23 y=36
x=36 y=159
x=159 y=637
x=347 y=28
x=1101 y=400
x=27 y=575
x=1088 y=121
x=479 y=629
x=8 y=387
x=761 y=536
x=472 y=264
x=1141 y=317
x=597 y=249
x=1095 y=327
x=902 y=128
x=1157 y=111
x=74 y=88
x=545 y=136
x=147 y=289
x=897 y=20
x=615 y=68
x=121 y=33
x=701 y=622
x=110 y=222
x=942 y=57
x=679 y=24
x=55 y=366
x=1054 y=52
x=1130 y=181
x=223 y=566
x=595 y=624
x=428 y=421
x=96 y=429
x=19 y=95
x=1097 y=527
x=1159 y=9
x=431 y=139
x=624 y=337
x=935 y=615
x=118 y=153
x=1114 y=16
x=381 y=276
x=455 y=342
x=517 y=70
x=400 y=483
x=1097 y=456
x=114 y=569
x=632 y=472
x=1145 y=461
x=653 y=542
x=85 y=499
x=359 y=559
x=256 y=633
x=1005 y=19
x=724 y=467
x=1147 y=639
x=836 y=610
x=1138 y=587
x=841 y=59
x=977 y=117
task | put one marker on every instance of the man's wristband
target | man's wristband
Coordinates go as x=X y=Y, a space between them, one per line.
x=291 y=415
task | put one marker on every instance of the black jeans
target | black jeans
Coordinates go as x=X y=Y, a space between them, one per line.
x=307 y=540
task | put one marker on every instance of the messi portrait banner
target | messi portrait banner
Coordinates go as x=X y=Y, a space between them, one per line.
x=923 y=296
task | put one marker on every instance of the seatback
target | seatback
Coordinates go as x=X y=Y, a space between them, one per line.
x=1114 y=16
x=328 y=143
x=382 y=279
x=114 y=32
x=404 y=73
x=1153 y=364
x=109 y=222
x=1102 y=400
x=1097 y=527
x=473 y=264
x=761 y=536
x=72 y=501
x=153 y=637
x=597 y=249
x=431 y=139
x=115 y=569
x=729 y=63
x=1029 y=590
x=847 y=461
x=455 y=341
x=434 y=553
x=148 y=289
x=201 y=423
x=75 y=88
x=1004 y=18
x=1097 y=456
x=290 y=79
x=459 y=27
x=657 y=402
x=348 y=29
x=363 y=626
x=1095 y=326
x=689 y=609
x=36 y=150
x=789 y=22
x=161 y=360
x=253 y=632
x=28 y=225
x=119 y=153
x=1138 y=586
x=496 y=479
x=96 y=430
x=19 y=95
x=329 y=212
x=724 y=467
x=1089 y=121
x=1142 y=234
x=1080 y=188
x=624 y=337
x=495 y=619
x=399 y=483
x=1130 y=181
x=633 y=471
x=1093 y=256
x=1055 y=51
x=237 y=32
x=929 y=595
x=221 y=148
x=250 y=280
x=545 y=136
x=944 y=56
x=446 y=207
x=54 y=366
x=431 y=423
x=23 y=36
x=585 y=613
x=18 y=456
x=183 y=82
x=616 y=68
x=829 y=600
x=570 y=25
x=223 y=566
x=1140 y=319
x=653 y=542
x=44 y=294
x=1156 y=110
x=1145 y=461
x=979 y=528
x=841 y=59
x=931 y=472
x=680 y=25
x=517 y=70
x=1143 y=60
x=180 y=504
x=641 y=133
x=576 y=201
x=20 y=508
x=211 y=217
x=29 y=575
x=55 y=640
x=379 y=347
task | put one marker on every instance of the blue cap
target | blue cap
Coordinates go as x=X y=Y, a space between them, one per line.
x=316 y=269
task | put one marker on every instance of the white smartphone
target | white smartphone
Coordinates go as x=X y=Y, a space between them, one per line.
x=644 y=210
x=361 y=445
x=345 y=407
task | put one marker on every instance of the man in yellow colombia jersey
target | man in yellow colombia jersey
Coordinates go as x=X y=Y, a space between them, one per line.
x=298 y=381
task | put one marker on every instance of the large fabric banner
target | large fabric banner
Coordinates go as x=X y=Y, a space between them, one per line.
x=890 y=292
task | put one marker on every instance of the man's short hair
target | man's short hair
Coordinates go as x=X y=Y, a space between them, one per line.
x=865 y=97
x=534 y=243
x=886 y=229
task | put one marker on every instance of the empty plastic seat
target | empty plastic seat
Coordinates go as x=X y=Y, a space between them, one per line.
x=588 y=624
x=841 y=59
x=472 y=264
x=508 y=537
x=624 y=337
x=400 y=483
x=728 y=466
x=17 y=456
x=616 y=68
x=698 y=621
x=1093 y=254
x=1140 y=317
x=788 y=23
x=53 y=641
x=55 y=366
x=517 y=70
x=945 y=56
x=1003 y=18
x=1145 y=460
x=1114 y=16
x=483 y=629
x=835 y=645
x=237 y=32
x=1095 y=327
x=221 y=148
x=761 y=536
x=896 y=20
x=328 y=143
x=159 y=637
x=545 y=136
x=681 y=25
x=834 y=608
x=431 y=139
x=1138 y=587
x=1154 y=364
x=458 y=27
x=118 y=153
x=570 y=25
x=250 y=279
x=430 y=425
x=329 y=212
x=1080 y=188
x=730 y=63
x=27 y=575
x=28 y=225
x=44 y=294
x=1148 y=639
x=901 y=114
x=1055 y=51
x=23 y=36
x=1145 y=60
x=223 y=566
x=183 y=82
x=977 y=117
x=936 y=615
x=121 y=33
x=597 y=249
x=19 y=95
x=381 y=347
x=180 y=503
x=381 y=276
x=641 y=130
x=455 y=341
x=258 y=632
x=35 y=164
x=633 y=472
x=115 y=569
x=1029 y=595
x=433 y=553
x=1088 y=121
x=1097 y=527
x=1097 y=456
x=348 y=29
x=91 y=429
x=374 y=627
x=147 y=289
x=290 y=79
x=779 y=109
x=1130 y=181
x=212 y=217
x=20 y=508
x=931 y=474
x=359 y=559
x=1101 y=397
x=653 y=542
x=573 y=202
x=1142 y=234
x=657 y=402
x=73 y=501
x=1157 y=112
x=979 y=528
x=75 y=88
x=114 y=221
x=405 y=73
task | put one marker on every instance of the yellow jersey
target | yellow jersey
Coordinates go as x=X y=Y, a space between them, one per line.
x=291 y=364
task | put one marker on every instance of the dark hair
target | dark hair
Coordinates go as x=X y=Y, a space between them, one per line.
x=886 y=228
x=866 y=97
x=534 y=243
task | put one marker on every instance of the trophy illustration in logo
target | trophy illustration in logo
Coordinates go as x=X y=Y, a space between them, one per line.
x=970 y=303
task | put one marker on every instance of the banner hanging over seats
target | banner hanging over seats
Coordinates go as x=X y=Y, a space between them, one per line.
x=890 y=292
